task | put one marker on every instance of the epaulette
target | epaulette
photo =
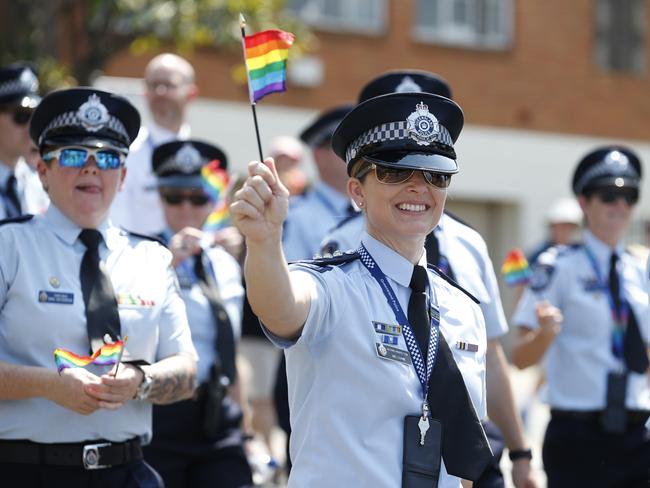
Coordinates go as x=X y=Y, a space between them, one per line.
x=17 y=220
x=328 y=261
x=146 y=237
x=459 y=220
x=453 y=283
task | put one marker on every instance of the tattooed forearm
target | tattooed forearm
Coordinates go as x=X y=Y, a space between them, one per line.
x=174 y=379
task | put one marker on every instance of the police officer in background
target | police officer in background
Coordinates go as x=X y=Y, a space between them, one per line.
x=584 y=317
x=460 y=251
x=71 y=280
x=199 y=442
x=19 y=187
x=326 y=199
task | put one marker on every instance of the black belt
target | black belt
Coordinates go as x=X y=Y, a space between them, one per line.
x=634 y=417
x=91 y=455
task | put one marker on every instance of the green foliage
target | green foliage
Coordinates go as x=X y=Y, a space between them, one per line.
x=86 y=33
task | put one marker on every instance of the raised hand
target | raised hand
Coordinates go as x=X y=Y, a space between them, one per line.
x=549 y=318
x=184 y=244
x=261 y=205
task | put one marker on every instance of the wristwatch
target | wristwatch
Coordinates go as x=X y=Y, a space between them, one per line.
x=142 y=393
x=520 y=454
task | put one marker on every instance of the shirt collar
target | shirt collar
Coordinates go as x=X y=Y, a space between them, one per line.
x=160 y=135
x=68 y=231
x=393 y=264
x=332 y=196
x=601 y=251
x=5 y=173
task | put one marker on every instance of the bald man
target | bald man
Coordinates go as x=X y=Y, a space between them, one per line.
x=169 y=88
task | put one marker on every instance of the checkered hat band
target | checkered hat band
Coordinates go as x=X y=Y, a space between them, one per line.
x=70 y=119
x=16 y=87
x=172 y=165
x=392 y=131
x=603 y=169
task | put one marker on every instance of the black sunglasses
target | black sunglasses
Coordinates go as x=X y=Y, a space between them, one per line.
x=610 y=196
x=20 y=115
x=394 y=176
x=196 y=200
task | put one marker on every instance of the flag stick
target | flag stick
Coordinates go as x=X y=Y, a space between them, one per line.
x=242 y=25
x=119 y=357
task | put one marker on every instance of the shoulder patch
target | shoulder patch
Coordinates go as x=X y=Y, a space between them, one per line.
x=17 y=220
x=327 y=262
x=453 y=283
x=144 y=236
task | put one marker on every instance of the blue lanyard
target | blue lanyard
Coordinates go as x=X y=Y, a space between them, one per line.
x=412 y=345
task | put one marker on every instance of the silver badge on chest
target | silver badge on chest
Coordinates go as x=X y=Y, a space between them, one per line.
x=92 y=114
x=422 y=126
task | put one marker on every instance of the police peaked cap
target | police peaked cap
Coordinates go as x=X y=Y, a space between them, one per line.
x=405 y=81
x=178 y=164
x=320 y=131
x=19 y=84
x=402 y=130
x=84 y=116
x=608 y=166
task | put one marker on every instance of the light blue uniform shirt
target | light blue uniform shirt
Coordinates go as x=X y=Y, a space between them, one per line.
x=227 y=276
x=42 y=308
x=347 y=401
x=578 y=360
x=310 y=217
x=466 y=252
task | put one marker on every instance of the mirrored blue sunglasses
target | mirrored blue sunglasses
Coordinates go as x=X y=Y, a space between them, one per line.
x=76 y=157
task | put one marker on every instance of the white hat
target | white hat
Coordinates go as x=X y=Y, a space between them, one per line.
x=564 y=211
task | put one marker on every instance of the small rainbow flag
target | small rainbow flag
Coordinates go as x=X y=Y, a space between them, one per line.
x=266 y=61
x=215 y=183
x=515 y=268
x=106 y=355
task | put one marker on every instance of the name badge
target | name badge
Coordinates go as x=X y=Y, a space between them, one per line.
x=467 y=346
x=58 y=297
x=591 y=285
x=385 y=351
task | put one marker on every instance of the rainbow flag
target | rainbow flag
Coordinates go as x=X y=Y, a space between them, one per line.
x=106 y=355
x=515 y=268
x=266 y=61
x=215 y=183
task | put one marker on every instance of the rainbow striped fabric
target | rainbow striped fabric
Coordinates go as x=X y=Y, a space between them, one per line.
x=266 y=61
x=106 y=355
x=215 y=183
x=515 y=268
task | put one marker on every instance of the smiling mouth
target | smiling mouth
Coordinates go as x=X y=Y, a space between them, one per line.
x=89 y=188
x=413 y=207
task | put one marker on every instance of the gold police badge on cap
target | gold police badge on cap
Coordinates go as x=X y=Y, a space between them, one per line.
x=188 y=158
x=93 y=115
x=422 y=126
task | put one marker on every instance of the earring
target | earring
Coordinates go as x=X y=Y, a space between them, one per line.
x=360 y=204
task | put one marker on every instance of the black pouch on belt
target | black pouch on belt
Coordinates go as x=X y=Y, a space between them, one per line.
x=421 y=463
x=215 y=391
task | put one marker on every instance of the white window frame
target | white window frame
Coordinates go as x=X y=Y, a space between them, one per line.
x=466 y=35
x=350 y=19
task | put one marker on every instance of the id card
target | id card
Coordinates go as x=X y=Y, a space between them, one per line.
x=421 y=463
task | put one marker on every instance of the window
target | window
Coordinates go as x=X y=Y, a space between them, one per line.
x=360 y=16
x=620 y=35
x=483 y=24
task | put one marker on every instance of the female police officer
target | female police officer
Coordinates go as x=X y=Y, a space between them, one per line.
x=69 y=279
x=365 y=399
x=199 y=442
x=585 y=315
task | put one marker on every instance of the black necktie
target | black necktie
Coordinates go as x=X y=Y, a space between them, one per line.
x=225 y=335
x=12 y=195
x=432 y=247
x=465 y=449
x=102 y=316
x=634 y=351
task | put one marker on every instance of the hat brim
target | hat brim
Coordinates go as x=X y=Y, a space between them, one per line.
x=180 y=181
x=91 y=141
x=424 y=161
x=616 y=182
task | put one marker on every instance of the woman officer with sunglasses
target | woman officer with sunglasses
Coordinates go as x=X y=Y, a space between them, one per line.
x=585 y=316
x=199 y=442
x=367 y=334
x=70 y=280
